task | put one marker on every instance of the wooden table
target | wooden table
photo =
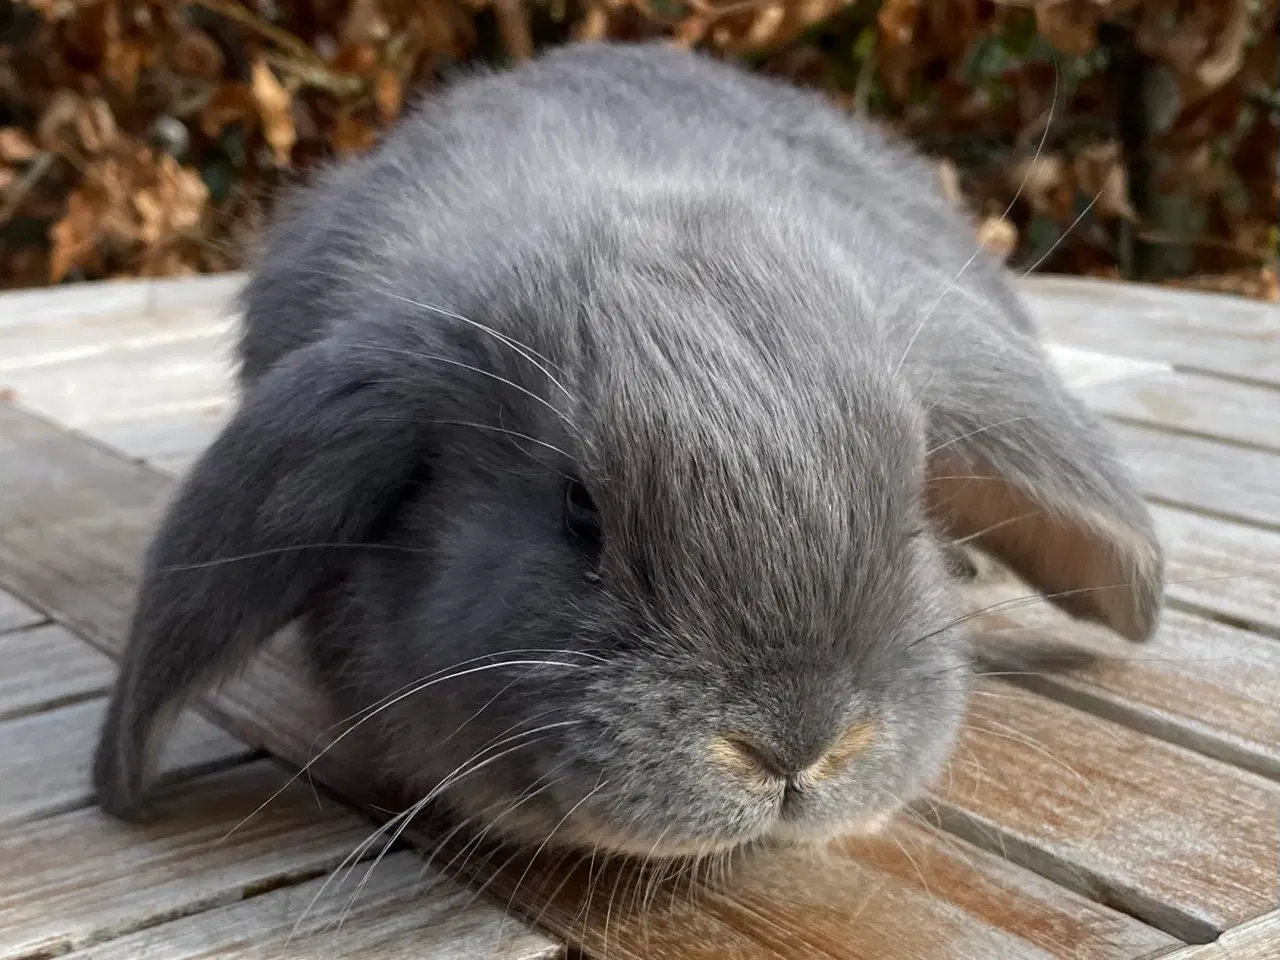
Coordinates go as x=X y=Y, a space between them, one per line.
x=1129 y=809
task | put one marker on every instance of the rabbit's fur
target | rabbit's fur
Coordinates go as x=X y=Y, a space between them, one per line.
x=740 y=319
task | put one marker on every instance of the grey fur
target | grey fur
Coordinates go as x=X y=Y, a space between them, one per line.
x=734 y=313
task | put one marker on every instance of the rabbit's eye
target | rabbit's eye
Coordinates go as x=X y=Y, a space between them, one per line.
x=581 y=519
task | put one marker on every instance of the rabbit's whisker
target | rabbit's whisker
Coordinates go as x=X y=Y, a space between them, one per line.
x=974 y=433
x=1006 y=732
x=1027 y=600
x=538 y=852
x=464 y=770
x=292 y=548
x=391 y=702
x=521 y=348
x=1074 y=223
x=515 y=651
x=478 y=426
x=412 y=354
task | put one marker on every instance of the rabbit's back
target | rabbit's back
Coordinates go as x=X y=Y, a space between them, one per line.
x=507 y=162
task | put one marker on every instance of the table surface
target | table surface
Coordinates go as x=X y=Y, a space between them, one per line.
x=1126 y=809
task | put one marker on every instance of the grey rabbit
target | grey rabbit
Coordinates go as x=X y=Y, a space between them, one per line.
x=629 y=402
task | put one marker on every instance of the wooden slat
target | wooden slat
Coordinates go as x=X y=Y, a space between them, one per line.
x=912 y=895
x=14 y=614
x=74 y=520
x=1227 y=570
x=1199 y=683
x=1222 y=479
x=1000 y=894
x=48 y=666
x=44 y=758
x=80 y=486
x=127 y=382
x=71 y=880
x=1197 y=331
x=26 y=348
x=169 y=441
x=119 y=300
x=401 y=914
x=1256 y=940
x=1193 y=403
x=1185 y=842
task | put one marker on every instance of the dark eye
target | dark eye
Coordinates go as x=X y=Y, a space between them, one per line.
x=581 y=519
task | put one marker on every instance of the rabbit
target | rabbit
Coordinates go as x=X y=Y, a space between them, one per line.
x=607 y=429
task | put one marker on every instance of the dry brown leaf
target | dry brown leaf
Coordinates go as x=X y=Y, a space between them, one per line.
x=1100 y=174
x=998 y=236
x=59 y=114
x=275 y=109
x=388 y=94
x=764 y=26
x=1070 y=25
x=7 y=176
x=1043 y=182
x=196 y=55
x=121 y=58
x=689 y=32
x=513 y=25
x=594 y=25
x=357 y=58
x=350 y=135
x=949 y=183
x=72 y=236
x=54 y=10
x=95 y=125
x=16 y=146
x=230 y=103
x=897 y=21
x=364 y=23
x=1226 y=56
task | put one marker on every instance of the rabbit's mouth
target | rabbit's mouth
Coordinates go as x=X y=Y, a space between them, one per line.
x=591 y=833
x=585 y=830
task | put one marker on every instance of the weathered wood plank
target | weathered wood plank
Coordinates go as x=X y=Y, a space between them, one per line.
x=127 y=382
x=82 y=877
x=170 y=440
x=1197 y=331
x=1227 y=570
x=74 y=521
x=27 y=348
x=93 y=489
x=1197 y=683
x=15 y=615
x=44 y=758
x=909 y=894
x=401 y=914
x=1257 y=940
x=999 y=893
x=1193 y=403
x=1200 y=474
x=118 y=298
x=48 y=666
x=1183 y=841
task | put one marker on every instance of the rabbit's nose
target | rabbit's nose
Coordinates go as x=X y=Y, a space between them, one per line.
x=800 y=765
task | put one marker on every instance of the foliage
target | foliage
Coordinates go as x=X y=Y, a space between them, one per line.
x=1139 y=137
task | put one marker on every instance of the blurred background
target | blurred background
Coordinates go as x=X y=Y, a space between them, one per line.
x=143 y=138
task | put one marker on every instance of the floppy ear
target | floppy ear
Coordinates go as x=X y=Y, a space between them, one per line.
x=313 y=456
x=1020 y=468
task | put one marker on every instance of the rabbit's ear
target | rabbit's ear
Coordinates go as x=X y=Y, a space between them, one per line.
x=307 y=466
x=1020 y=468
